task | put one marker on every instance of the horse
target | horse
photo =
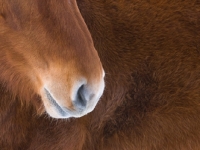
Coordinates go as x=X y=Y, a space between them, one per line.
x=150 y=53
x=48 y=61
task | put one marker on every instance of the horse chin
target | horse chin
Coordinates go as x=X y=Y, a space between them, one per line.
x=55 y=110
x=62 y=113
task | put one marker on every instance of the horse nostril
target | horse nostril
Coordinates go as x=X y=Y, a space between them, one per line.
x=80 y=102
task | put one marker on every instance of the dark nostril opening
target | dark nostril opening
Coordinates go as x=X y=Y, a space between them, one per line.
x=80 y=101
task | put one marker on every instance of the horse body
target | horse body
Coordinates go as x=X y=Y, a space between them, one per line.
x=150 y=53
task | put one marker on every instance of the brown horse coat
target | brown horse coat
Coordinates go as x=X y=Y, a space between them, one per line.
x=150 y=51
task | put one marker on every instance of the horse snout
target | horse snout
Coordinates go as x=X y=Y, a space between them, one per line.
x=80 y=101
x=75 y=99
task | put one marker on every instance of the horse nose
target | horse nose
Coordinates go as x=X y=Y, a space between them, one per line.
x=74 y=98
x=80 y=101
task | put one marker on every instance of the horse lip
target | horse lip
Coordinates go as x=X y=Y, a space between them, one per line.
x=60 y=109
